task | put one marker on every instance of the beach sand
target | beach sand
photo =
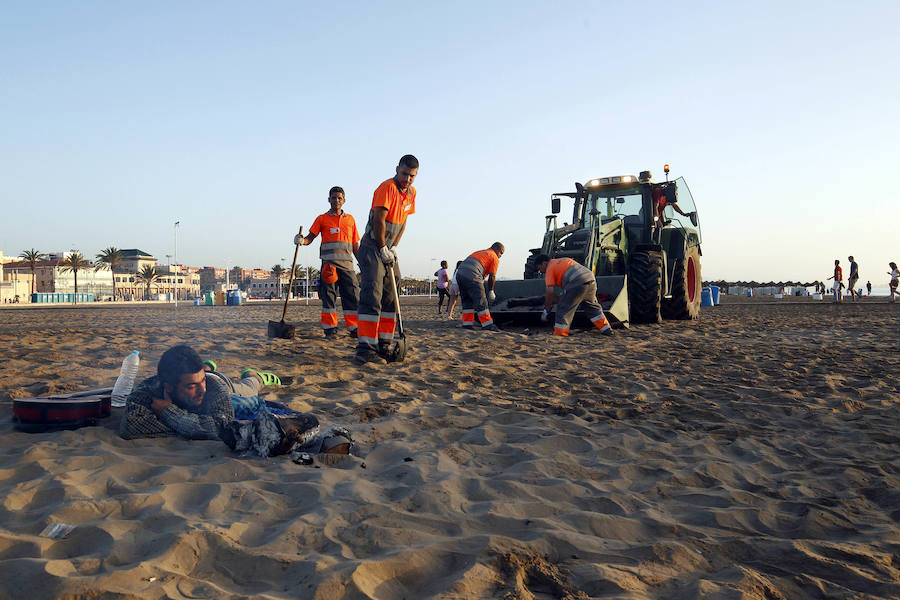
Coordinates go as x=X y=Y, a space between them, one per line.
x=751 y=454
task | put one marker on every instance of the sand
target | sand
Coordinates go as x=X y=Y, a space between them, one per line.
x=752 y=454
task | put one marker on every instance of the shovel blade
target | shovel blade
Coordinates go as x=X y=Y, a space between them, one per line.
x=280 y=329
x=398 y=350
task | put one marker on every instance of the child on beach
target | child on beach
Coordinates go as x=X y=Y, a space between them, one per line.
x=895 y=279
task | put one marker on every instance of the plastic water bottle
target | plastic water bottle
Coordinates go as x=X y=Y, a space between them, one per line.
x=125 y=381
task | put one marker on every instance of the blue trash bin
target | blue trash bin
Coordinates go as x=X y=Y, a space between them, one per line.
x=714 y=293
x=705 y=297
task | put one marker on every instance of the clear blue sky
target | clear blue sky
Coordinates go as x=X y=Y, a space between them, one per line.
x=117 y=119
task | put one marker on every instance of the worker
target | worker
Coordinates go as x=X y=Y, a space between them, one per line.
x=340 y=243
x=660 y=203
x=470 y=276
x=570 y=285
x=394 y=200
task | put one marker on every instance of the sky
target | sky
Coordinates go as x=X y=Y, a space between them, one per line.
x=118 y=119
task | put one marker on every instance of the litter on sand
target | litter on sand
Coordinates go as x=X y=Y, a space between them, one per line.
x=57 y=531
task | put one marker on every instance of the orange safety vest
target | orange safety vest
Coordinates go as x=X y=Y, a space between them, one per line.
x=488 y=259
x=398 y=205
x=556 y=270
x=338 y=235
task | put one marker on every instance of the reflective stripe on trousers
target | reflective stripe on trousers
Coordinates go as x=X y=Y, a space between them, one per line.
x=376 y=298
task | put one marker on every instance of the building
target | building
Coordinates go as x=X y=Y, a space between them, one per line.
x=133 y=260
x=50 y=275
x=15 y=283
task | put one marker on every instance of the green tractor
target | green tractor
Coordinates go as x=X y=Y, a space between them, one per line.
x=640 y=237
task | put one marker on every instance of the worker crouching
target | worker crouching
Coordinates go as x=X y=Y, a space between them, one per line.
x=470 y=275
x=570 y=285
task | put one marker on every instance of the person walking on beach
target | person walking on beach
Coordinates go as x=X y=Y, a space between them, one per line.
x=453 y=291
x=394 y=200
x=838 y=280
x=895 y=279
x=570 y=285
x=443 y=284
x=340 y=243
x=852 y=278
x=868 y=288
x=470 y=276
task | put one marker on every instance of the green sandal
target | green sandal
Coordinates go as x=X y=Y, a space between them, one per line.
x=210 y=364
x=267 y=377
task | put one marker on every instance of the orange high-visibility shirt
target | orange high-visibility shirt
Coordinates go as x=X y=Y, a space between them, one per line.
x=338 y=235
x=556 y=268
x=488 y=259
x=398 y=205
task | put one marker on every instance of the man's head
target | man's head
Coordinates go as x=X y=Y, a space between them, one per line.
x=498 y=248
x=540 y=263
x=836 y=262
x=336 y=198
x=407 y=171
x=443 y=264
x=182 y=375
x=850 y=258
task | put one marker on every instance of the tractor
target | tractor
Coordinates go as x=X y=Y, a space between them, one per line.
x=641 y=238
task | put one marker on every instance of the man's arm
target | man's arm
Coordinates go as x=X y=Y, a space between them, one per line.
x=549 y=299
x=306 y=241
x=356 y=250
x=139 y=420
x=218 y=409
x=399 y=235
x=379 y=226
x=490 y=282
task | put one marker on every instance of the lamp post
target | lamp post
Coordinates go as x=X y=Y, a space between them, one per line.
x=175 y=236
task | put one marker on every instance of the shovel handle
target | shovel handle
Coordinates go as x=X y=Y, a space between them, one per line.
x=287 y=296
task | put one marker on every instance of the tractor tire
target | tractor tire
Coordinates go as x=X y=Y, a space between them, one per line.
x=644 y=286
x=684 y=304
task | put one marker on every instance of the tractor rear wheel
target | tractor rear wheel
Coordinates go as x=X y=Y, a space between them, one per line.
x=531 y=271
x=644 y=285
x=686 y=286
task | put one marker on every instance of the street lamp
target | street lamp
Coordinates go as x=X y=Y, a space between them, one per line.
x=175 y=236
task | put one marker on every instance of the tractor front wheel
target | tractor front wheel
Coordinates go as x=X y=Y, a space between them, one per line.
x=644 y=285
x=686 y=286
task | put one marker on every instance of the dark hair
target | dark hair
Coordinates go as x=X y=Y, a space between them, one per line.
x=336 y=189
x=497 y=247
x=177 y=361
x=409 y=161
x=459 y=262
x=444 y=264
x=540 y=259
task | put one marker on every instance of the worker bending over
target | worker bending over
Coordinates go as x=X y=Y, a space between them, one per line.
x=570 y=285
x=340 y=243
x=393 y=201
x=470 y=275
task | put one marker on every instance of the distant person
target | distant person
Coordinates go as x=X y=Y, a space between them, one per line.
x=868 y=288
x=852 y=278
x=476 y=295
x=838 y=280
x=895 y=279
x=570 y=285
x=443 y=284
x=393 y=201
x=453 y=291
x=340 y=243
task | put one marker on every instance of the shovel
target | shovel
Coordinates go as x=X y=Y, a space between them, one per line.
x=280 y=329
x=397 y=350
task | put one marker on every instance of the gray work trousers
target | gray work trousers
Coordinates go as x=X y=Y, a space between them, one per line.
x=377 y=304
x=328 y=292
x=574 y=295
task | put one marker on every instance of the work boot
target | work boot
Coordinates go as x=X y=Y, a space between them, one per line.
x=330 y=333
x=352 y=333
x=607 y=331
x=491 y=327
x=368 y=355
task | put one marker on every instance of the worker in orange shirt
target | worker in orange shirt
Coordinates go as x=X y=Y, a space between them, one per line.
x=470 y=276
x=340 y=243
x=570 y=285
x=393 y=201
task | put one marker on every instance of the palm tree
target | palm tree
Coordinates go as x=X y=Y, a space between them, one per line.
x=110 y=258
x=278 y=271
x=73 y=263
x=32 y=257
x=147 y=276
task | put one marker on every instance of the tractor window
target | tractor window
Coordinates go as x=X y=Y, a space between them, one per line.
x=686 y=204
x=620 y=203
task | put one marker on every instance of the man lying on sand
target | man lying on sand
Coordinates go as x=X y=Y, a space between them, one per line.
x=189 y=398
x=186 y=399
